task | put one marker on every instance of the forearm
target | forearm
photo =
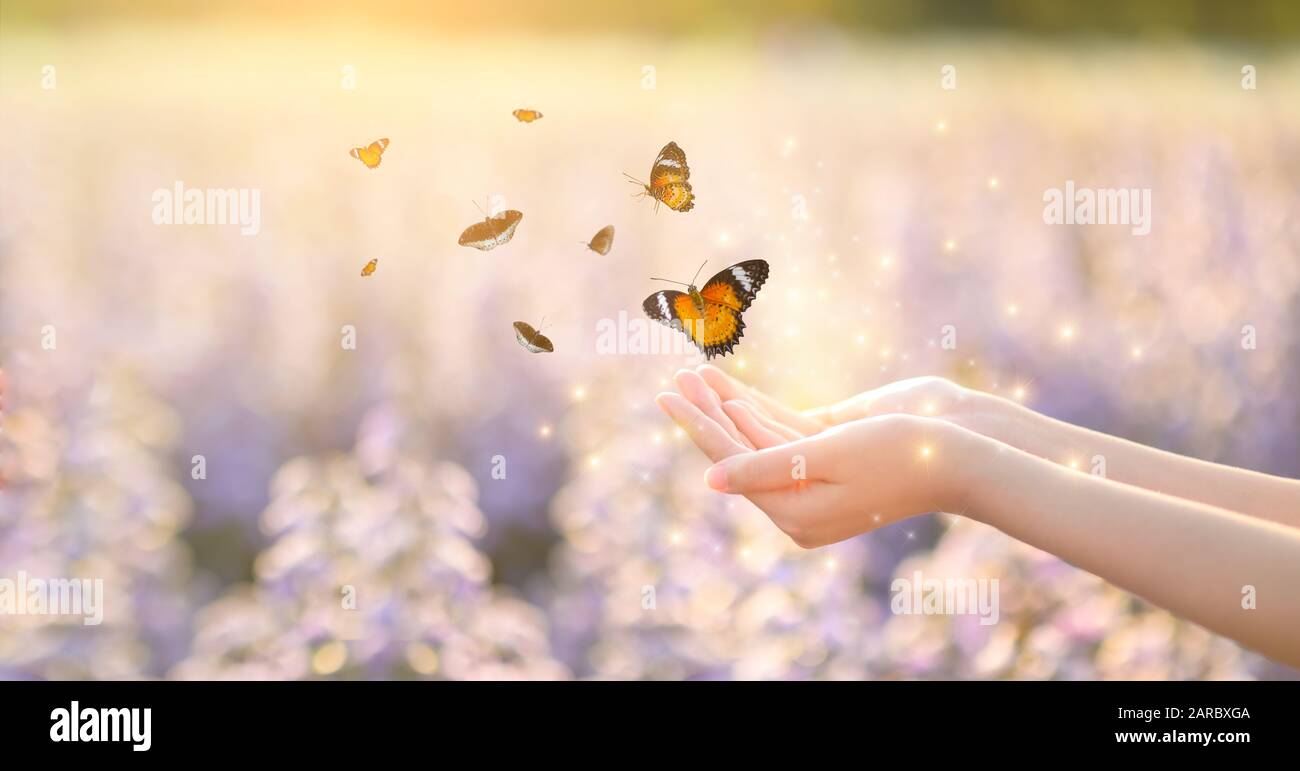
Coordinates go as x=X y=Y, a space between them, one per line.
x=1195 y=560
x=1240 y=490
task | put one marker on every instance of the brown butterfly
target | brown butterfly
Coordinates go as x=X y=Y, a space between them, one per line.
x=532 y=339
x=710 y=317
x=372 y=154
x=526 y=116
x=370 y=267
x=603 y=240
x=493 y=231
x=670 y=180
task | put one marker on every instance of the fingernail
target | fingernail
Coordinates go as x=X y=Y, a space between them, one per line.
x=716 y=477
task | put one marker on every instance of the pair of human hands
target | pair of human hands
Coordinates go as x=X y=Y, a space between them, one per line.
x=831 y=473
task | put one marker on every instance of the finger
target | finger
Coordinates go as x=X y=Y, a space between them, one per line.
x=712 y=439
x=747 y=420
x=766 y=421
x=884 y=400
x=728 y=388
x=693 y=387
x=775 y=468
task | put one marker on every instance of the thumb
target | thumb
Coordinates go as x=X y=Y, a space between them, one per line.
x=775 y=468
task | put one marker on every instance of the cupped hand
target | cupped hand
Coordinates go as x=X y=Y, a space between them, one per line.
x=758 y=414
x=832 y=485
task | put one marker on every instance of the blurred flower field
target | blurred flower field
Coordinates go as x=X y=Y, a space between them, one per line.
x=887 y=206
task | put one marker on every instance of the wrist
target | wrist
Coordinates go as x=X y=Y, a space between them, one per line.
x=973 y=472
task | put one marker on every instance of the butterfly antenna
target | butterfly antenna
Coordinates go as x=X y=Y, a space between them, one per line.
x=480 y=209
x=669 y=280
x=697 y=272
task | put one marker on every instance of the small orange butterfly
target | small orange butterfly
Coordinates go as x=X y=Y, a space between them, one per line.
x=670 y=180
x=372 y=154
x=370 y=267
x=526 y=116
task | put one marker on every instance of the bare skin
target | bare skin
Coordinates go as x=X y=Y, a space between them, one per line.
x=1184 y=534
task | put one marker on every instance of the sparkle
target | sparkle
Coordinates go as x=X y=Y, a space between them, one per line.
x=929 y=408
x=993 y=183
x=1019 y=393
x=1136 y=352
x=886 y=262
x=950 y=245
x=422 y=658
x=1067 y=332
x=676 y=538
x=579 y=393
x=940 y=126
x=1013 y=310
x=831 y=564
x=593 y=461
x=926 y=452
x=329 y=658
x=544 y=431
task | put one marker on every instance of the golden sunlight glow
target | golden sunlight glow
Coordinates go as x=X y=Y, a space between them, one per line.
x=329 y=658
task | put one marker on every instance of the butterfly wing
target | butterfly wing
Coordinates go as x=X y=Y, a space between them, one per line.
x=726 y=296
x=603 y=240
x=491 y=232
x=370 y=267
x=670 y=179
x=526 y=116
x=736 y=287
x=674 y=309
x=531 y=339
x=370 y=155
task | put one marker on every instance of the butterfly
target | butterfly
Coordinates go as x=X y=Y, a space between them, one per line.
x=370 y=267
x=493 y=231
x=526 y=116
x=670 y=180
x=603 y=240
x=532 y=339
x=371 y=155
x=710 y=317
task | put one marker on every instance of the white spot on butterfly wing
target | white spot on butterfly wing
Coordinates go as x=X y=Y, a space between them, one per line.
x=663 y=305
x=743 y=278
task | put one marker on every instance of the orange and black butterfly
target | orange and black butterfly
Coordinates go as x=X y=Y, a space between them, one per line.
x=603 y=240
x=370 y=267
x=710 y=317
x=493 y=231
x=532 y=339
x=670 y=180
x=526 y=116
x=372 y=154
